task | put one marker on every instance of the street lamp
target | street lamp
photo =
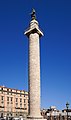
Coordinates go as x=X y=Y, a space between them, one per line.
x=67 y=106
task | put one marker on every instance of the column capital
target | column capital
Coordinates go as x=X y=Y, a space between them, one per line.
x=33 y=28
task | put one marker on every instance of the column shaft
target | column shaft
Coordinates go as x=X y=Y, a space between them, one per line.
x=34 y=75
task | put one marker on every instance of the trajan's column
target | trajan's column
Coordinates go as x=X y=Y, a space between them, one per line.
x=34 y=33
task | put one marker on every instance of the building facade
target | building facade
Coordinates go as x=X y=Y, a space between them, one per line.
x=54 y=114
x=13 y=102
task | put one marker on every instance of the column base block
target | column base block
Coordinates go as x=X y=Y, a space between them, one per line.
x=35 y=118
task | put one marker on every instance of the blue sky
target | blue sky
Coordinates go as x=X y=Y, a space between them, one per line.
x=54 y=18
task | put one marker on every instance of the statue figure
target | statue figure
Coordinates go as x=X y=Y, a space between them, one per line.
x=33 y=15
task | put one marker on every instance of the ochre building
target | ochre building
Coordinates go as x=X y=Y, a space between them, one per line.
x=13 y=102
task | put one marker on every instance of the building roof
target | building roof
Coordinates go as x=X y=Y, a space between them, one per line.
x=12 y=88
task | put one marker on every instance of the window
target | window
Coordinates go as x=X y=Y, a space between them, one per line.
x=2 y=115
x=8 y=103
x=2 y=92
x=20 y=99
x=16 y=99
x=21 y=105
x=7 y=114
x=24 y=105
x=11 y=99
x=11 y=114
x=1 y=88
x=24 y=100
x=2 y=97
x=2 y=102
x=16 y=105
x=11 y=92
x=7 y=91
x=7 y=98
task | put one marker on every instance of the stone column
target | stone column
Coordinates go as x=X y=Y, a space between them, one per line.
x=34 y=34
x=34 y=75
